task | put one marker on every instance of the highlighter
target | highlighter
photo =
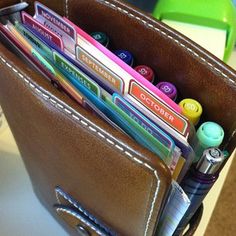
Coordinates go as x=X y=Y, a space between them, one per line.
x=209 y=134
x=192 y=109
x=199 y=181
x=211 y=24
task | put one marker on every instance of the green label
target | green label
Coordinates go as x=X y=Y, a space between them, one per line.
x=34 y=41
x=62 y=63
x=43 y=62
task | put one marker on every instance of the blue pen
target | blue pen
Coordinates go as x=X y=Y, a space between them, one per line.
x=199 y=181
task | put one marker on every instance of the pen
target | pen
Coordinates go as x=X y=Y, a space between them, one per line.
x=199 y=181
x=209 y=134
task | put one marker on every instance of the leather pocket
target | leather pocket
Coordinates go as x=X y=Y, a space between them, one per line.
x=116 y=180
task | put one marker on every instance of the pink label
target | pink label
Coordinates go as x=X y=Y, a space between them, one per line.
x=42 y=30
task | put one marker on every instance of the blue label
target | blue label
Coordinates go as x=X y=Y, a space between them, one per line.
x=143 y=121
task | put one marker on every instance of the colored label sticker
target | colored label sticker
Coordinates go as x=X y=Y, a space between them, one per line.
x=43 y=62
x=42 y=30
x=158 y=108
x=30 y=37
x=55 y=19
x=142 y=121
x=99 y=69
x=58 y=25
x=76 y=73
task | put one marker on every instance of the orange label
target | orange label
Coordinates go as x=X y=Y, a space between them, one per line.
x=100 y=70
x=158 y=108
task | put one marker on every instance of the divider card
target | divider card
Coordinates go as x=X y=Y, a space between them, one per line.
x=151 y=142
x=26 y=49
x=59 y=61
x=56 y=24
x=41 y=29
x=143 y=121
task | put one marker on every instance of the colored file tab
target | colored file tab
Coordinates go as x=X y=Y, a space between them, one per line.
x=148 y=140
x=144 y=122
x=69 y=68
x=107 y=76
x=45 y=32
x=43 y=64
x=50 y=20
x=59 y=61
x=158 y=108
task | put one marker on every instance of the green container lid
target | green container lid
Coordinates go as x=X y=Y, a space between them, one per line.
x=220 y=14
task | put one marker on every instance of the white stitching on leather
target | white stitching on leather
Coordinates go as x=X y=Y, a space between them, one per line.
x=59 y=191
x=67 y=8
x=170 y=37
x=119 y=147
x=80 y=218
x=153 y=203
x=73 y=115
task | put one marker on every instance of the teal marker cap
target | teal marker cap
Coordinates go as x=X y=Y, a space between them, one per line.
x=210 y=134
x=220 y=14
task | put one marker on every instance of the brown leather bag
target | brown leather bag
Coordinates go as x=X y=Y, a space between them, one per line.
x=104 y=175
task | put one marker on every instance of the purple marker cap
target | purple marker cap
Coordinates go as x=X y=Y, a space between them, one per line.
x=168 y=89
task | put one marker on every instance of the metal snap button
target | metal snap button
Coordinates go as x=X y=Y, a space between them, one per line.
x=82 y=231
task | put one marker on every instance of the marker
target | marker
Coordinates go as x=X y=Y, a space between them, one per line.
x=146 y=72
x=101 y=38
x=199 y=181
x=168 y=89
x=209 y=134
x=192 y=109
x=125 y=56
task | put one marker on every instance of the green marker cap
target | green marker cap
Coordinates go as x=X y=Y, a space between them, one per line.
x=211 y=13
x=101 y=38
x=210 y=134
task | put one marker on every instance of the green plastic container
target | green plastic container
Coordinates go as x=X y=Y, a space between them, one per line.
x=220 y=14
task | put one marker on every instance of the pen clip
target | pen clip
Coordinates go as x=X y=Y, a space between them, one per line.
x=12 y=13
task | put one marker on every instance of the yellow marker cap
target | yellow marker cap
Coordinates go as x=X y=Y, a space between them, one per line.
x=192 y=109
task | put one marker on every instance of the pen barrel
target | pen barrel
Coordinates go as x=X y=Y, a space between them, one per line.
x=196 y=185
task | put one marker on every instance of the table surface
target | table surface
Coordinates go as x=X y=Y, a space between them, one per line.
x=21 y=214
